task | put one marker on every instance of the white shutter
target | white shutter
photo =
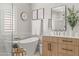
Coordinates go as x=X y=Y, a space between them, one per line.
x=9 y=23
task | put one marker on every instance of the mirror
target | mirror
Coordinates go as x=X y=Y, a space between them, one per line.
x=41 y=13
x=58 y=22
x=34 y=14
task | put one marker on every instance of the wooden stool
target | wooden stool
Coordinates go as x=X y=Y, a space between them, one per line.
x=18 y=52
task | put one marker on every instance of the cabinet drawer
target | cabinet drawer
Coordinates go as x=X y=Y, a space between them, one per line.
x=68 y=49
x=67 y=41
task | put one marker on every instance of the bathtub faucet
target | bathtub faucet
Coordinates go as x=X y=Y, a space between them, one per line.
x=17 y=39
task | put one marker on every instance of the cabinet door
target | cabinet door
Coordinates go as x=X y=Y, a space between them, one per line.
x=54 y=49
x=46 y=49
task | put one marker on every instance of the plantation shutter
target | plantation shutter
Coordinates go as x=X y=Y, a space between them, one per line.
x=9 y=20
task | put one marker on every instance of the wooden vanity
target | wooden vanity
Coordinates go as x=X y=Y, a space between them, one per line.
x=60 y=46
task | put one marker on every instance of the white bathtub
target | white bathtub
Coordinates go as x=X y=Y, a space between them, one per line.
x=28 y=44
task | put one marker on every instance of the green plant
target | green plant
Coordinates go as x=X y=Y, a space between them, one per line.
x=72 y=17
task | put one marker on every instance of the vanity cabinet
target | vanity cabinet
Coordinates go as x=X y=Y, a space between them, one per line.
x=60 y=46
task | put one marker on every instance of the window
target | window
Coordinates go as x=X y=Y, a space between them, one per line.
x=9 y=23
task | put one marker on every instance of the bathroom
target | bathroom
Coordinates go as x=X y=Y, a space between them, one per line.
x=23 y=27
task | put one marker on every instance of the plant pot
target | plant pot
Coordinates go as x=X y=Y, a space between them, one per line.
x=72 y=33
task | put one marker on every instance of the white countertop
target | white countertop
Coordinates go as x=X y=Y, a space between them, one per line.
x=63 y=36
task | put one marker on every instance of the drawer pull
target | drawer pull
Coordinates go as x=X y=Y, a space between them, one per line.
x=66 y=41
x=49 y=46
x=66 y=49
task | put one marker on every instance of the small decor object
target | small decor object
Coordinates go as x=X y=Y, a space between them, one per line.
x=34 y=14
x=15 y=45
x=72 y=17
x=41 y=13
x=19 y=52
x=23 y=16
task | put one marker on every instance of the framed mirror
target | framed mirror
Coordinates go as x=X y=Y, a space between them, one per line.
x=58 y=21
x=35 y=14
x=41 y=13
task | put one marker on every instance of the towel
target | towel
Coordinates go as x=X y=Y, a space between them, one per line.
x=36 y=27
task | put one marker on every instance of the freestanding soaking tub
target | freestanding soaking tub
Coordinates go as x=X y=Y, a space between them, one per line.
x=28 y=44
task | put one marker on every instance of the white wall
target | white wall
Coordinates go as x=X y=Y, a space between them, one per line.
x=23 y=27
x=48 y=6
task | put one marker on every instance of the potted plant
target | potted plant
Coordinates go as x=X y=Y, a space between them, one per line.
x=72 y=17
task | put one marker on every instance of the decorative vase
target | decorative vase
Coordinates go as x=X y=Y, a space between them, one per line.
x=72 y=33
